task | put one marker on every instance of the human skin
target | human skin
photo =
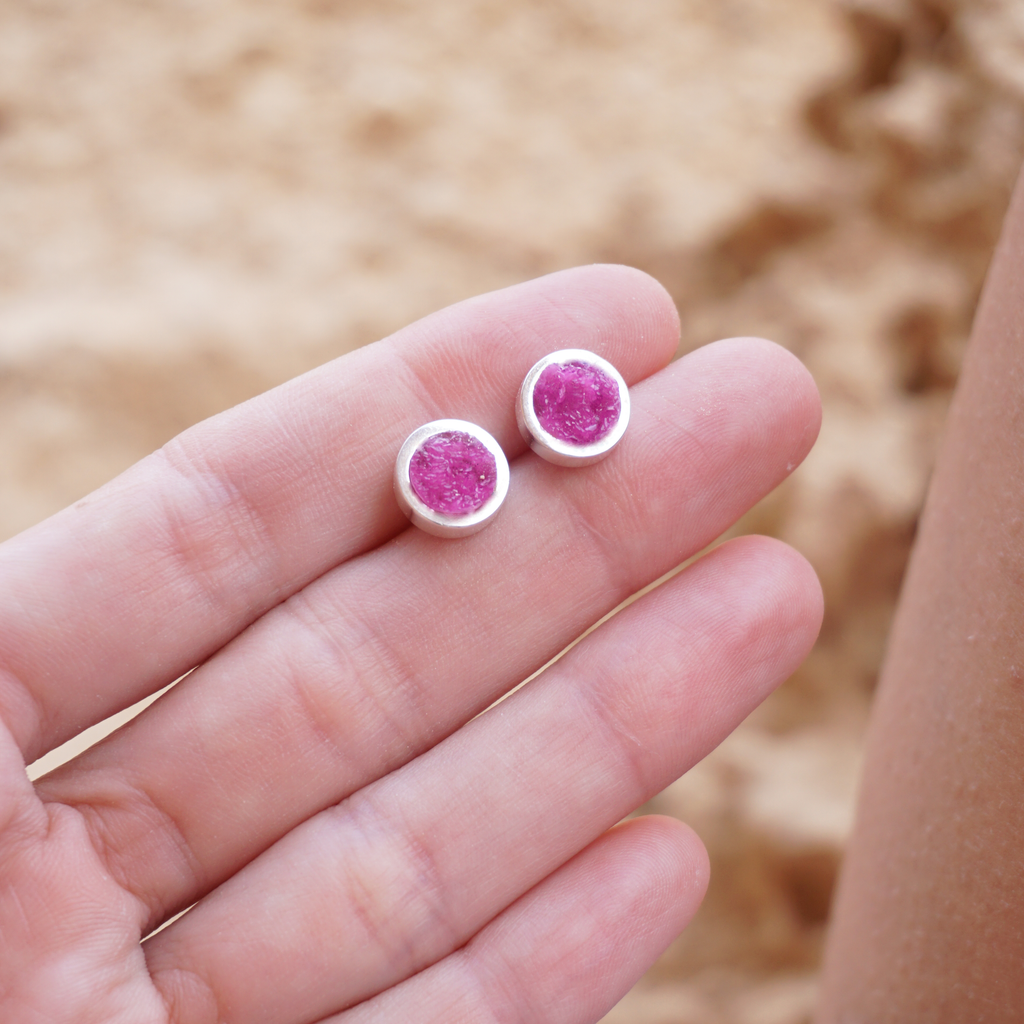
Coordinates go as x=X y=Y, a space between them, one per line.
x=362 y=845
x=929 y=917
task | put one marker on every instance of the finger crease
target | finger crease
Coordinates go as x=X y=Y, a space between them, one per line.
x=415 y=925
x=343 y=656
x=632 y=753
x=213 y=567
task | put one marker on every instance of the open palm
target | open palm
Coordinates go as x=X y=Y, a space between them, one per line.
x=361 y=844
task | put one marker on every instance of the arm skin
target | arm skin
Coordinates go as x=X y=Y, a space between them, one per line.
x=929 y=918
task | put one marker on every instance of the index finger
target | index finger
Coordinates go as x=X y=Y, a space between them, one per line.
x=129 y=588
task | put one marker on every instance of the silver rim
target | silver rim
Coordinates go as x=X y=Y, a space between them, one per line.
x=562 y=453
x=437 y=523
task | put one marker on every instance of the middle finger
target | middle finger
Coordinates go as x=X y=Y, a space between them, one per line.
x=384 y=656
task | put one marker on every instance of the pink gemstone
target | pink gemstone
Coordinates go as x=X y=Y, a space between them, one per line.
x=453 y=473
x=576 y=402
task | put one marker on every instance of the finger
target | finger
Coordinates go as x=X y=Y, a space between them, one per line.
x=17 y=797
x=567 y=951
x=123 y=592
x=399 y=875
x=380 y=659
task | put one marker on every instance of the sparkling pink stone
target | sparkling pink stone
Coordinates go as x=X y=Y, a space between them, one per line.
x=576 y=402
x=453 y=473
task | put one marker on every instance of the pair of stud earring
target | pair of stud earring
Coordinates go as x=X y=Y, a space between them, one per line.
x=451 y=476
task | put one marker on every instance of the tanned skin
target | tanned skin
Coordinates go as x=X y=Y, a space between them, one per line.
x=929 y=917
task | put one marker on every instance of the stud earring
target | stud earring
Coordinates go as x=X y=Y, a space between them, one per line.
x=573 y=407
x=451 y=478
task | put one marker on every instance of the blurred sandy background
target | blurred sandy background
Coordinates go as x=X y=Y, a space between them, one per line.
x=200 y=199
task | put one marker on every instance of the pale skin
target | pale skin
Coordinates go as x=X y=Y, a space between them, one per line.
x=359 y=844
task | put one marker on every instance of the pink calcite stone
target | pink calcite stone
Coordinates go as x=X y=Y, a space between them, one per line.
x=453 y=473
x=576 y=402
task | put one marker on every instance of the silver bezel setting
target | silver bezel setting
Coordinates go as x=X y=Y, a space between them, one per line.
x=437 y=523
x=562 y=453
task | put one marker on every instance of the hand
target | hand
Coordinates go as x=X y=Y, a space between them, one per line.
x=357 y=841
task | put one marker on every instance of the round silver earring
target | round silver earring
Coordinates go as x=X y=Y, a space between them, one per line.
x=573 y=407
x=451 y=477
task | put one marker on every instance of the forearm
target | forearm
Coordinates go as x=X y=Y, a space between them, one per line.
x=929 y=918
